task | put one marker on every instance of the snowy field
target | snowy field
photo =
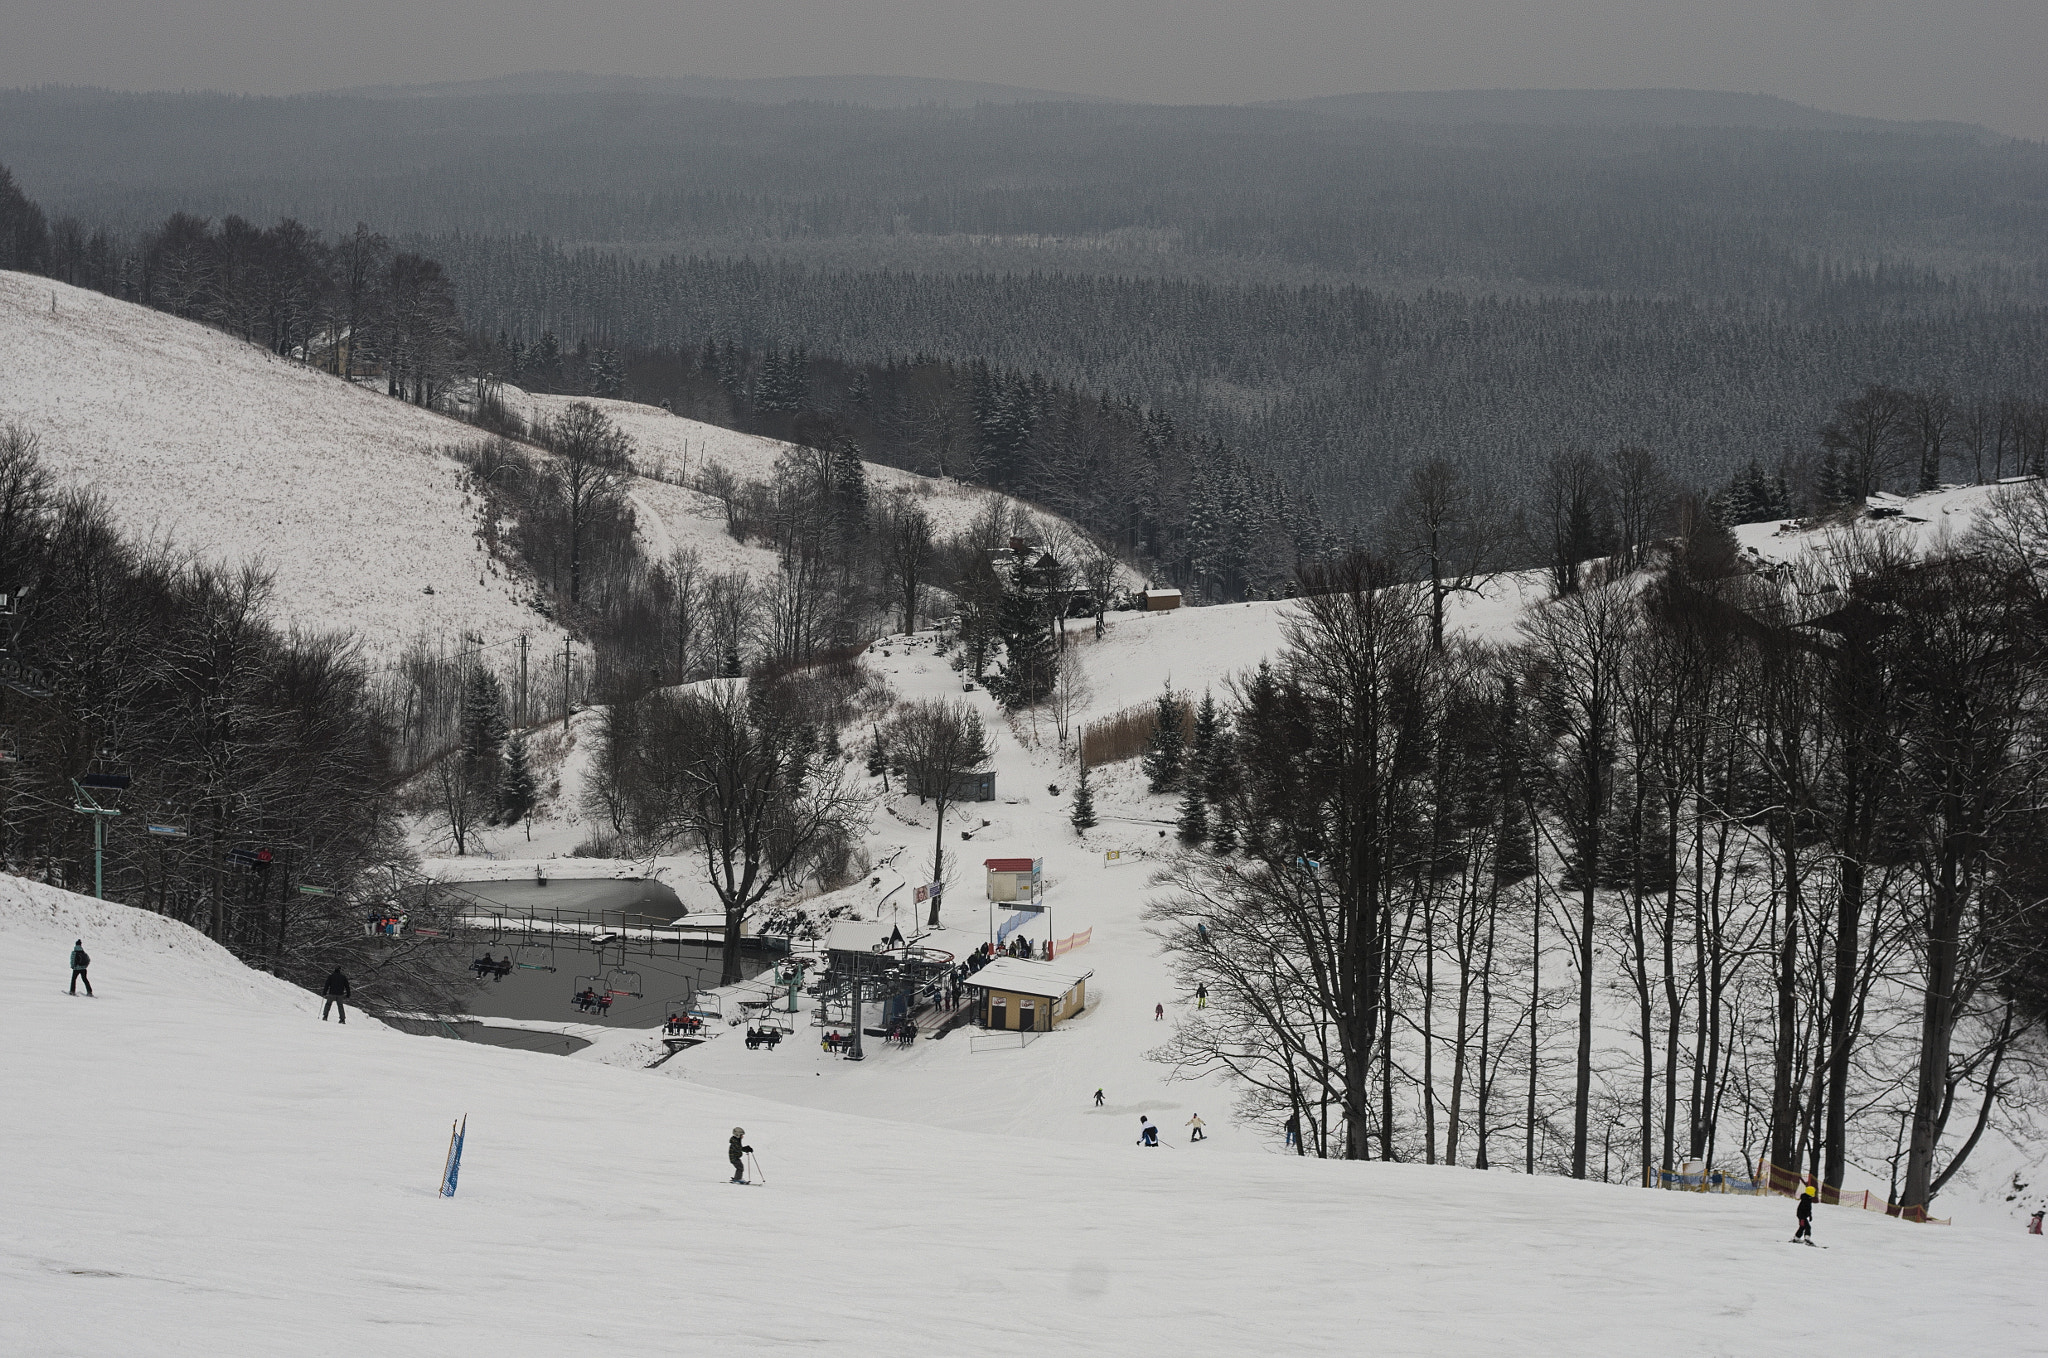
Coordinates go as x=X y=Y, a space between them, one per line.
x=215 y=1171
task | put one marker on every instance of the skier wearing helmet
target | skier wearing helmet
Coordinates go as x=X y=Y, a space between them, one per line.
x=735 y=1150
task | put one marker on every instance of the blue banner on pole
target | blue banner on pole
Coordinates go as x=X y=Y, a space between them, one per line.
x=454 y=1168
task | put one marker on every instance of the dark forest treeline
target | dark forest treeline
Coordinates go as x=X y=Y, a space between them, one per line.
x=1337 y=390
x=353 y=305
x=1188 y=509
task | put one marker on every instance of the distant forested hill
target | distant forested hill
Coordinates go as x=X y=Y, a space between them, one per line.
x=1337 y=289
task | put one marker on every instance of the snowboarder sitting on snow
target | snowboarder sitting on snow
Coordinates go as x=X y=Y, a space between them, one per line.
x=1805 y=1231
x=1148 y=1131
x=79 y=962
x=735 y=1150
x=336 y=991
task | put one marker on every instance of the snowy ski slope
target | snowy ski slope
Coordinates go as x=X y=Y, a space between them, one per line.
x=197 y=1164
x=221 y=449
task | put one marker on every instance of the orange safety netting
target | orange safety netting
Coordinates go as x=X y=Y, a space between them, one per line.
x=1790 y=1183
x=1061 y=947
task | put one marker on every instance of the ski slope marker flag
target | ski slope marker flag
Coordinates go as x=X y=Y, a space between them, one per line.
x=453 y=1169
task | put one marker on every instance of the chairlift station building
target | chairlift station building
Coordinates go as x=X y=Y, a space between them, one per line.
x=1026 y=996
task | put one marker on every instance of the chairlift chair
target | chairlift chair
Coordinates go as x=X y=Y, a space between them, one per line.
x=534 y=957
x=619 y=981
x=10 y=752
x=594 y=984
x=107 y=774
x=247 y=855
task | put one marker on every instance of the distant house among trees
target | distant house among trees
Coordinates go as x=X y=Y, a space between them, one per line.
x=1160 y=600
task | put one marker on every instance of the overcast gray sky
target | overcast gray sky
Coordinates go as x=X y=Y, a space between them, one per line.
x=1975 y=60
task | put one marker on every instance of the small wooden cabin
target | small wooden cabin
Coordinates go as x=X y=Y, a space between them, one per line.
x=1014 y=879
x=1159 y=600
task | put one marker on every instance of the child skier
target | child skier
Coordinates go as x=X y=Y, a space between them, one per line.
x=1098 y=1104
x=735 y=1150
x=79 y=962
x=1805 y=1231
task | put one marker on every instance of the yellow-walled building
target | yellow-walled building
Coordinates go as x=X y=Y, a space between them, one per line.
x=1027 y=996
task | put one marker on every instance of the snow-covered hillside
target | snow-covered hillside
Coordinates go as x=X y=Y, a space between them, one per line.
x=199 y=1164
x=197 y=439
x=681 y=448
x=224 y=450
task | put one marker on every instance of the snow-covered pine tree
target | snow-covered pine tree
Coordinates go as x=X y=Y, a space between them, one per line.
x=483 y=735
x=1166 y=748
x=1194 y=805
x=1219 y=772
x=517 y=789
x=1082 y=815
x=1029 y=662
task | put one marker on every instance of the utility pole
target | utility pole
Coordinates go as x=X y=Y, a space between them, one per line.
x=522 y=678
x=565 y=684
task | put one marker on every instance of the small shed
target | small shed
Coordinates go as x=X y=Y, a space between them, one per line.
x=1015 y=879
x=1028 y=997
x=1159 y=600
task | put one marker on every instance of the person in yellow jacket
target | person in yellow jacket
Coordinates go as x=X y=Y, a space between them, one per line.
x=1197 y=1134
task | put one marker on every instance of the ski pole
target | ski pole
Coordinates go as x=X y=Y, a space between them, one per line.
x=757 y=1167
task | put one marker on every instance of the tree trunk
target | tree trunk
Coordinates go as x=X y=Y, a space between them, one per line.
x=1784 y=1090
x=938 y=861
x=1937 y=1025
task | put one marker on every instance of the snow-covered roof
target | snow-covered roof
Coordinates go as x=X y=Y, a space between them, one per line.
x=857 y=935
x=1028 y=978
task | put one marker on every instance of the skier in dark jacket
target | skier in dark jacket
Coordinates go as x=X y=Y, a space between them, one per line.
x=79 y=962
x=1148 y=1132
x=336 y=991
x=1805 y=1209
x=735 y=1150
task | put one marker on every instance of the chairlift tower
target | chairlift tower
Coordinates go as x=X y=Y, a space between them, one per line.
x=104 y=776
